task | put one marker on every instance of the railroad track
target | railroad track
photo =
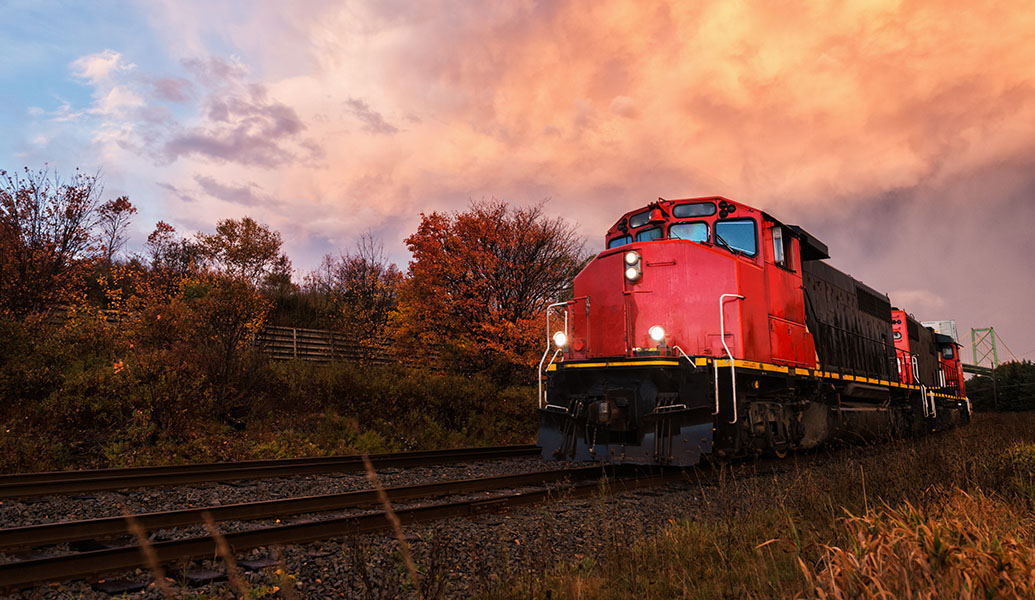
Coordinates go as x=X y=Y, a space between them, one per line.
x=576 y=482
x=567 y=483
x=109 y=527
x=69 y=482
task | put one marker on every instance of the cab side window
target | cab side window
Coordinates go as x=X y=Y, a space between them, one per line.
x=782 y=248
x=620 y=241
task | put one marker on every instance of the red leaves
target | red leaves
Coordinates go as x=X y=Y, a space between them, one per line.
x=47 y=242
x=114 y=218
x=481 y=278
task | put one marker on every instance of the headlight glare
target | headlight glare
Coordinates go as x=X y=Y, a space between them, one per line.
x=633 y=269
x=560 y=339
x=656 y=333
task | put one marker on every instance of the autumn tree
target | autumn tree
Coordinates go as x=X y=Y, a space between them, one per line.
x=201 y=306
x=480 y=280
x=172 y=258
x=359 y=289
x=47 y=239
x=114 y=217
x=226 y=315
x=248 y=250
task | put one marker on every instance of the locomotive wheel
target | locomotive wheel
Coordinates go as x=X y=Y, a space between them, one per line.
x=777 y=442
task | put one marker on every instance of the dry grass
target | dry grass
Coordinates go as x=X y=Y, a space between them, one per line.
x=947 y=515
x=965 y=546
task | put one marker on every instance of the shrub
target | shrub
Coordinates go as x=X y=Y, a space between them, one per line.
x=1012 y=471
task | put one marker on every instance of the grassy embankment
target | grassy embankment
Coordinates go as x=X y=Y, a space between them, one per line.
x=947 y=516
x=80 y=397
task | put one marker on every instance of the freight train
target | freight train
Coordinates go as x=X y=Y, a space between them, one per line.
x=709 y=328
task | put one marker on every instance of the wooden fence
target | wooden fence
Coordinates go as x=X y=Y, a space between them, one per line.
x=287 y=343
x=290 y=343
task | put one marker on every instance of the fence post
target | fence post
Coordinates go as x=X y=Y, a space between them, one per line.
x=294 y=342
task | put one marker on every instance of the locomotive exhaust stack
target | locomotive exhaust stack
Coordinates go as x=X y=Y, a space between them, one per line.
x=645 y=371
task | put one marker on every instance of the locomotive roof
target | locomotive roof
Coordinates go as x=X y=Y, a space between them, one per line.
x=811 y=247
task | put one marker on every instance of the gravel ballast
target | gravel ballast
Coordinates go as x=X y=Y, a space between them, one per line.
x=456 y=557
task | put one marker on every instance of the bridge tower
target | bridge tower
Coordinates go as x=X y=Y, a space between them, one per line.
x=983 y=344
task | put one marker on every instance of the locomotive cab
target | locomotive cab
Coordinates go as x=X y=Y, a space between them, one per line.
x=951 y=366
x=953 y=392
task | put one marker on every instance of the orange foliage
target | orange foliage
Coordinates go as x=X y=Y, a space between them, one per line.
x=480 y=281
x=47 y=245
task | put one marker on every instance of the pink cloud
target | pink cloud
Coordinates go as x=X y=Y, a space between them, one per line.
x=861 y=120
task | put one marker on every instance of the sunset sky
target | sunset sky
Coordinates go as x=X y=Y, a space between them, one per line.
x=900 y=133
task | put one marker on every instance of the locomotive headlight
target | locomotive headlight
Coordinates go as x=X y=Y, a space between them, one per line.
x=656 y=333
x=560 y=339
x=632 y=265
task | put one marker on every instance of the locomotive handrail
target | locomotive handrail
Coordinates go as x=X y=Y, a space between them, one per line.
x=733 y=368
x=928 y=402
x=539 y=373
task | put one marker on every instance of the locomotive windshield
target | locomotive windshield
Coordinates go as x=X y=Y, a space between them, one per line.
x=694 y=209
x=649 y=235
x=695 y=232
x=620 y=241
x=737 y=235
x=640 y=219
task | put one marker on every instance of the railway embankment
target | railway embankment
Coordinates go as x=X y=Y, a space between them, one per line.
x=949 y=512
x=91 y=416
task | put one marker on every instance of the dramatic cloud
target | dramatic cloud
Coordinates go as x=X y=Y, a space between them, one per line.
x=245 y=195
x=99 y=67
x=240 y=123
x=900 y=132
x=372 y=120
x=172 y=89
x=181 y=195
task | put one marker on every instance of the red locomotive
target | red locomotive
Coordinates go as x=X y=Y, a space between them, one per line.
x=708 y=326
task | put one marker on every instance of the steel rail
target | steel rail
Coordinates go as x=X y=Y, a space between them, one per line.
x=47 y=476
x=23 y=574
x=107 y=527
x=209 y=472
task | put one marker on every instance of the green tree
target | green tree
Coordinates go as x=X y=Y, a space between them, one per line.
x=1014 y=384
